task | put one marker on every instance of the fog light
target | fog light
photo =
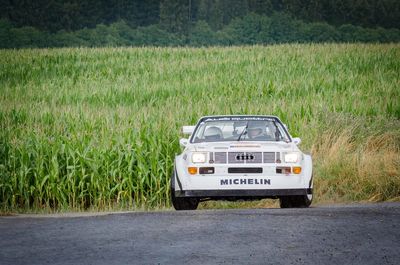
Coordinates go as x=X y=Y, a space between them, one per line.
x=206 y=170
x=192 y=170
x=283 y=170
x=296 y=170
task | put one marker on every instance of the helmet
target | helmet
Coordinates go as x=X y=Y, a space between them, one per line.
x=213 y=133
x=255 y=128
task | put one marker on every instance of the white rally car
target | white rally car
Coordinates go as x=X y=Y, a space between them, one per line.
x=241 y=157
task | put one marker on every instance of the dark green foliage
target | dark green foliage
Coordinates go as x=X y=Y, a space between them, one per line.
x=92 y=23
x=55 y=15
x=248 y=30
x=174 y=16
x=202 y=35
x=321 y=32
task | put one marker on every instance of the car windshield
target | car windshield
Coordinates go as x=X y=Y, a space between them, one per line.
x=239 y=129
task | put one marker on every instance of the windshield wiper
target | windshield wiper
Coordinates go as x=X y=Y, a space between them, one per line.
x=244 y=132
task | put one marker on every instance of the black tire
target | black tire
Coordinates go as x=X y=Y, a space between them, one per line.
x=300 y=201
x=181 y=203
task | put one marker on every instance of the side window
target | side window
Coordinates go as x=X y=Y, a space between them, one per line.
x=199 y=134
x=282 y=134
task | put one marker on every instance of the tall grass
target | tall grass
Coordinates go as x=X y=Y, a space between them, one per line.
x=99 y=128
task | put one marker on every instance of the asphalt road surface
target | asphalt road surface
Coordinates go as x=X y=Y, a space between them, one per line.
x=355 y=234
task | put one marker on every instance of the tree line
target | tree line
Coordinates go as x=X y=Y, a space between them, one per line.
x=60 y=23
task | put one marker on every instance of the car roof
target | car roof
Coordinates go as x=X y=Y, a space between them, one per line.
x=238 y=116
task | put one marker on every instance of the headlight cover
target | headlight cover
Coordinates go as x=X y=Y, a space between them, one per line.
x=291 y=157
x=199 y=157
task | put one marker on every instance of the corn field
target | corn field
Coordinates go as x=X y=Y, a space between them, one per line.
x=98 y=128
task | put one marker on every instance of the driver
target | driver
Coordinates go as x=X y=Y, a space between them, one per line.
x=213 y=133
x=255 y=130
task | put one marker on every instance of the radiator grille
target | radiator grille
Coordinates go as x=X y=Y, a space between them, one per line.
x=257 y=158
x=243 y=157
x=220 y=157
x=269 y=157
x=232 y=158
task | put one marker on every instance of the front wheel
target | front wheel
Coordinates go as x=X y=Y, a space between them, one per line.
x=181 y=203
x=298 y=201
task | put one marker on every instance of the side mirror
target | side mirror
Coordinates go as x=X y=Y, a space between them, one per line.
x=296 y=140
x=188 y=129
x=183 y=142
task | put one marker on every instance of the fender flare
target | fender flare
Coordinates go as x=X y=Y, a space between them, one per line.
x=175 y=176
x=309 y=172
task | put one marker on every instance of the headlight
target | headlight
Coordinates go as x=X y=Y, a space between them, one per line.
x=291 y=157
x=198 y=157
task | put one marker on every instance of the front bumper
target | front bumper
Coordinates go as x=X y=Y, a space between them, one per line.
x=262 y=193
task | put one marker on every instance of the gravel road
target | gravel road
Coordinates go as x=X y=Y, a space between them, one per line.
x=352 y=234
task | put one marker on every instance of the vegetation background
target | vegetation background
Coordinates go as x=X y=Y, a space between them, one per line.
x=96 y=126
x=99 y=23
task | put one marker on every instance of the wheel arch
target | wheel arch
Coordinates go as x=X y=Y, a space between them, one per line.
x=308 y=170
x=175 y=174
